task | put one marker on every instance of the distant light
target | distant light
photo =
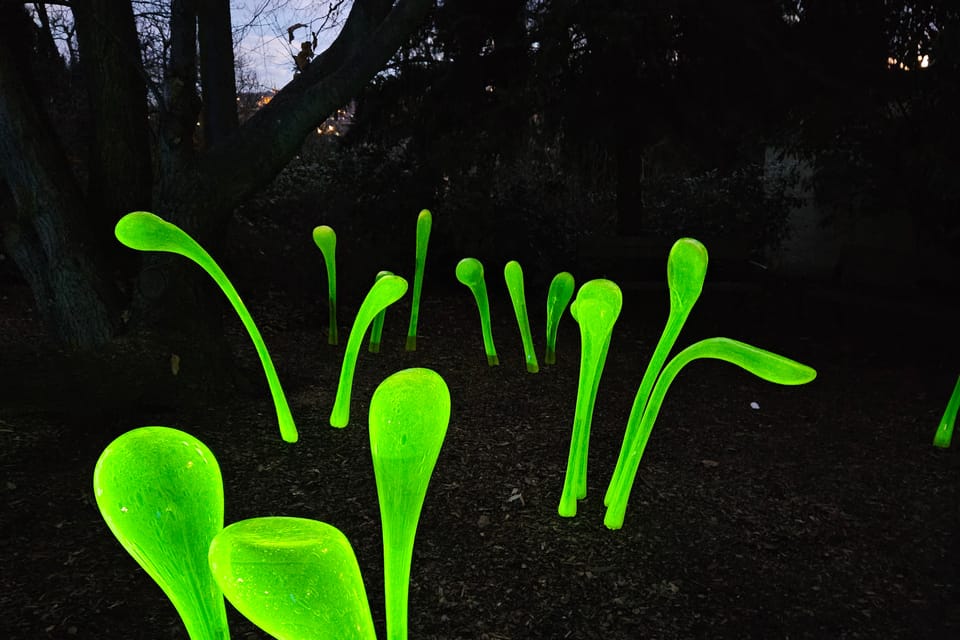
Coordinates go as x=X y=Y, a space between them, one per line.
x=924 y=61
x=488 y=88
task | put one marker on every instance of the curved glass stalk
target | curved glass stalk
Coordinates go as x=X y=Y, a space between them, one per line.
x=424 y=223
x=559 y=294
x=470 y=273
x=513 y=274
x=945 y=431
x=326 y=240
x=376 y=329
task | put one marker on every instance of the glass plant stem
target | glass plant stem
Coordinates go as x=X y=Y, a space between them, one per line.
x=382 y=294
x=513 y=274
x=686 y=271
x=945 y=431
x=559 y=294
x=763 y=364
x=326 y=240
x=424 y=223
x=146 y=231
x=376 y=329
x=409 y=413
x=470 y=273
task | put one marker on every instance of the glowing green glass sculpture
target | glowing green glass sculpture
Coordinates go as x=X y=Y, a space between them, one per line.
x=161 y=494
x=559 y=294
x=596 y=309
x=326 y=240
x=297 y=579
x=470 y=273
x=376 y=329
x=513 y=274
x=686 y=271
x=945 y=431
x=424 y=222
x=409 y=413
x=764 y=364
x=382 y=294
x=145 y=231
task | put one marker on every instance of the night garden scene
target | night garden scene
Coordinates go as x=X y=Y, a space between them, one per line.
x=479 y=320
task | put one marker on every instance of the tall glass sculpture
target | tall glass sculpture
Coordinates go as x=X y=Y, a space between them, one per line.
x=470 y=273
x=424 y=222
x=596 y=309
x=945 y=431
x=409 y=413
x=382 y=294
x=559 y=294
x=326 y=240
x=295 y=578
x=161 y=493
x=146 y=231
x=376 y=329
x=513 y=274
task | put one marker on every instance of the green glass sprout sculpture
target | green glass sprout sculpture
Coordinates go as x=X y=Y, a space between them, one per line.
x=409 y=413
x=470 y=273
x=161 y=494
x=424 y=222
x=596 y=309
x=513 y=274
x=297 y=579
x=382 y=294
x=326 y=240
x=764 y=364
x=145 y=231
x=945 y=431
x=686 y=271
x=559 y=294
x=376 y=329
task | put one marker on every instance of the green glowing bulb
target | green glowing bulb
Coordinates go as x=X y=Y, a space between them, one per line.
x=513 y=274
x=161 y=494
x=763 y=364
x=326 y=240
x=409 y=413
x=686 y=271
x=470 y=273
x=596 y=309
x=382 y=294
x=297 y=579
x=945 y=431
x=376 y=330
x=145 y=231
x=559 y=294
x=424 y=222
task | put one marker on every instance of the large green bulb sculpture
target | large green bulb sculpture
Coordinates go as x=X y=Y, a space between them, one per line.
x=382 y=294
x=161 y=494
x=145 y=231
x=559 y=294
x=376 y=329
x=513 y=274
x=945 y=431
x=326 y=240
x=686 y=271
x=596 y=309
x=424 y=222
x=764 y=364
x=470 y=274
x=409 y=413
x=297 y=579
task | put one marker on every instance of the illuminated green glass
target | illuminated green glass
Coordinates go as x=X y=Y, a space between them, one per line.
x=559 y=294
x=376 y=329
x=424 y=222
x=686 y=271
x=326 y=240
x=470 y=274
x=297 y=579
x=382 y=294
x=513 y=274
x=596 y=309
x=409 y=413
x=763 y=364
x=945 y=431
x=145 y=231
x=161 y=494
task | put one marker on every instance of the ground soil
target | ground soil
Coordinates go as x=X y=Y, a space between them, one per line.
x=759 y=511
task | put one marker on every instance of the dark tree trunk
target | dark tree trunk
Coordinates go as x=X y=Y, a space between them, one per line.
x=217 y=73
